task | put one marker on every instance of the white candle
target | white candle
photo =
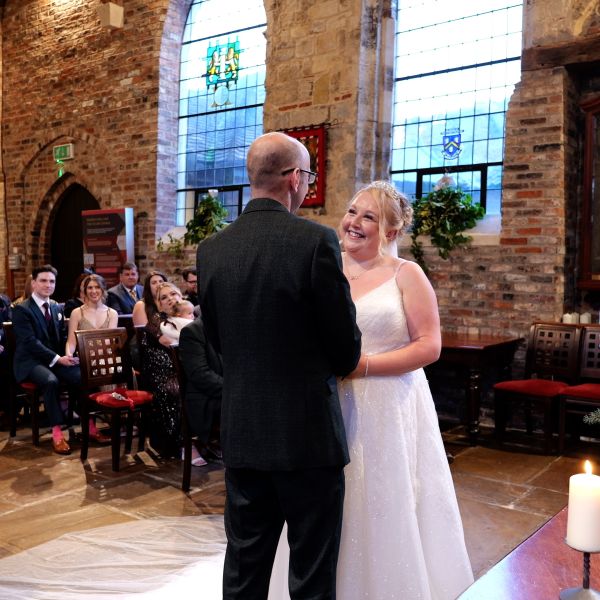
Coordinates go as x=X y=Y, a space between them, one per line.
x=583 y=523
x=566 y=318
x=585 y=317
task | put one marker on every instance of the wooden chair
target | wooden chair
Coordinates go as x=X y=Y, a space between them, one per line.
x=583 y=398
x=551 y=365
x=104 y=360
x=185 y=423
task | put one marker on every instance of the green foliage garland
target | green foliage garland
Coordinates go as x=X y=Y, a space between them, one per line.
x=443 y=214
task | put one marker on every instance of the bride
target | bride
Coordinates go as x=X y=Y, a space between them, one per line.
x=402 y=535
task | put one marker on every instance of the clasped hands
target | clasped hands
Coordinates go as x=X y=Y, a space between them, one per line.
x=68 y=361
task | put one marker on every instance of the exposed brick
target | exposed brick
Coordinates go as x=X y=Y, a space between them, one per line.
x=530 y=194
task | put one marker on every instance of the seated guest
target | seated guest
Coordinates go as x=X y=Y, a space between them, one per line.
x=190 y=285
x=158 y=373
x=77 y=300
x=123 y=296
x=40 y=335
x=5 y=315
x=145 y=309
x=182 y=314
x=92 y=314
x=204 y=384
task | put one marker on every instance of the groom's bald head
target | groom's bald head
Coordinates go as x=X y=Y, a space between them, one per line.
x=269 y=156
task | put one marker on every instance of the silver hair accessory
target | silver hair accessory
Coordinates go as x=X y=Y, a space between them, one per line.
x=406 y=209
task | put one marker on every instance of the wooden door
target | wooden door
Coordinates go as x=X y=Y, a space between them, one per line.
x=67 y=238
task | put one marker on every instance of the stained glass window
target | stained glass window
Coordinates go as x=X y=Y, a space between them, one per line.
x=221 y=100
x=456 y=67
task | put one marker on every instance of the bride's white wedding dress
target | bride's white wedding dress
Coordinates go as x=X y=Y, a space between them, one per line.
x=402 y=534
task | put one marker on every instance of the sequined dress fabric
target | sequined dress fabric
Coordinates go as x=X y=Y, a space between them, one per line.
x=402 y=535
x=85 y=324
x=160 y=377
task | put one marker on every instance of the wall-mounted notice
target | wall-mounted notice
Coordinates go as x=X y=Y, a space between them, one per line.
x=107 y=241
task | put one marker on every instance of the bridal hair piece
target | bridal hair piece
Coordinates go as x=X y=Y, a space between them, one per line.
x=395 y=213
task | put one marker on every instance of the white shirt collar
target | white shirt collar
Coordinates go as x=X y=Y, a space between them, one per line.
x=39 y=300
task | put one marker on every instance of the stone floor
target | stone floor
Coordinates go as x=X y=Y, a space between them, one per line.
x=504 y=495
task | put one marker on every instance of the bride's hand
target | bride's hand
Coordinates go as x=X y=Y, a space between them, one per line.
x=361 y=368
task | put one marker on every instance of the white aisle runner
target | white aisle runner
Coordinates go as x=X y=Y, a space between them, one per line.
x=173 y=558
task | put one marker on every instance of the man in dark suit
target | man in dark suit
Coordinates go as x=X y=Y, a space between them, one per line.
x=204 y=384
x=190 y=285
x=277 y=306
x=40 y=336
x=123 y=296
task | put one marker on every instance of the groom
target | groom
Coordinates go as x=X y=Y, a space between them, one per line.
x=277 y=306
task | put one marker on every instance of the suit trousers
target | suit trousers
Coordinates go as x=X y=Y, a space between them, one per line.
x=49 y=379
x=257 y=504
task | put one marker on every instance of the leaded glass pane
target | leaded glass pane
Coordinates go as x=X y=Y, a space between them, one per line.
x=456 y=67
x=222 y=75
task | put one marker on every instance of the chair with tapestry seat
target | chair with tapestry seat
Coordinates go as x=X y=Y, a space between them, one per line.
x=583 y=398
x=105 y=363
x=551 y=366
x=26 y=389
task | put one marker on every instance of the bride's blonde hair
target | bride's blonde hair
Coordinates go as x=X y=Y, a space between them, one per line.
x=395 y=210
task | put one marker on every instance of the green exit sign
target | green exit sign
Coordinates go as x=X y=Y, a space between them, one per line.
x=64 y=152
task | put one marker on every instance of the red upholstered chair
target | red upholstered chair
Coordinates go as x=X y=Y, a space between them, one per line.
x=583 y=398
x=551 y=365
x=105 y=361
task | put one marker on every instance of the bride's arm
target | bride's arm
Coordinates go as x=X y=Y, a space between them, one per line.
x=421 y=310
x=71 y=344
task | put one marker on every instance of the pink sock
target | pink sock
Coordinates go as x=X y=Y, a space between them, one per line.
x=57 y=434
x=93 y=430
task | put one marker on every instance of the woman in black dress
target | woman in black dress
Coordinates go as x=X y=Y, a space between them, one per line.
x=159 y=376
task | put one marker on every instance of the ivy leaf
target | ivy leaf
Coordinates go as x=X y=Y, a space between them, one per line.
x=443 y=214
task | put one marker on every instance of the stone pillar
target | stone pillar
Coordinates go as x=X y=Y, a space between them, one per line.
x=331 y=62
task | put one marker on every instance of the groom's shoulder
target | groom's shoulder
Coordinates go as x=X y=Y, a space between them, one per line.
x=308 y=227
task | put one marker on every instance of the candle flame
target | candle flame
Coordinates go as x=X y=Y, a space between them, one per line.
x=588 y=467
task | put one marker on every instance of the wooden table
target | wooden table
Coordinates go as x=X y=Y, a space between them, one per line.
x=537 y=569
x=471 y=354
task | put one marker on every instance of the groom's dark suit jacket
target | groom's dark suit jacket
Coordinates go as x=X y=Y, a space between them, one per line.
x=277 y=306
x=34 y=343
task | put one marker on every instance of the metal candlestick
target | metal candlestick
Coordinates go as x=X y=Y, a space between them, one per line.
x=584 y=592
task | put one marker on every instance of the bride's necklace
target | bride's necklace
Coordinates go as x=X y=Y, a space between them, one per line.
x=352 y=277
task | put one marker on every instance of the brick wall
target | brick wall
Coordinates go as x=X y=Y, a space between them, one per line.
x=114 y=95
x=67 y=79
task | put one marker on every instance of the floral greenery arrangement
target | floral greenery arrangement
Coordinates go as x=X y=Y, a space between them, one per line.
x=443 y=214
x=208 y=218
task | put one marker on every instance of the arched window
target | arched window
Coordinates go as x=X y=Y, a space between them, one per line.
x=456 y=67
x=221 y=100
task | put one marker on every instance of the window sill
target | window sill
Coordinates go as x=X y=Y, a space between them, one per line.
x=485 y=233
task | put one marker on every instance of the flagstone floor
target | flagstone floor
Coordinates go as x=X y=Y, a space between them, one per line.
x=504 y=495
